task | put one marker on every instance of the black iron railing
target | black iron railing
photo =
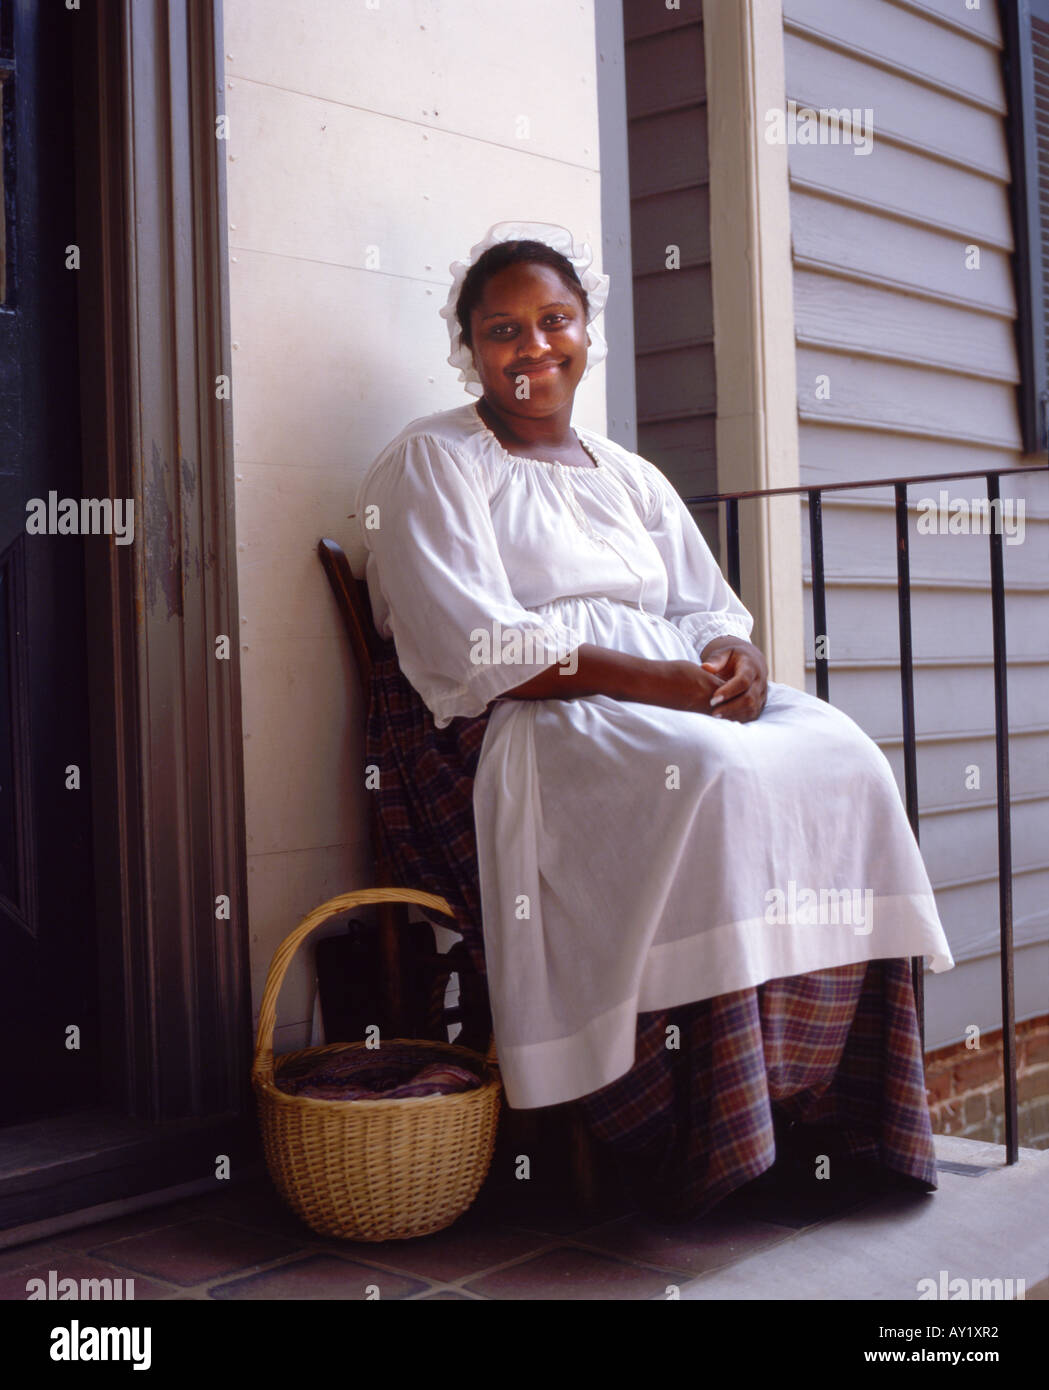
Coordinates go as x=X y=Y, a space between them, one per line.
x=814 y=495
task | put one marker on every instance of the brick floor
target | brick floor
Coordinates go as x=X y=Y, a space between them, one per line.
x=241 y=1243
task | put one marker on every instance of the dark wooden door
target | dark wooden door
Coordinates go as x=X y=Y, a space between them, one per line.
x=48 y=988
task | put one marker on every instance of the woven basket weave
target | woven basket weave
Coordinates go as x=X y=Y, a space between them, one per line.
x=372 y=1170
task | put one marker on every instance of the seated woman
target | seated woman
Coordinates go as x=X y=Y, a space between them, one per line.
x=696 y=887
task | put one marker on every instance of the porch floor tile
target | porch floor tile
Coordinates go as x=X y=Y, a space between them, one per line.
x=256 y=1204
x=193 y=1251
x=470 y=1247
x=66 y=1265
x=321 y=1277
x=447 y=1295
x=720 y=1238
x=120 y=1227
x=38 y=1252
x=572 y=1273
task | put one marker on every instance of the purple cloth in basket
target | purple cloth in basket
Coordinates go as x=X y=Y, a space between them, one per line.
x=363 y=1076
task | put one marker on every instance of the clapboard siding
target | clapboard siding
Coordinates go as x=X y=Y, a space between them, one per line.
x=666 y=70
x=667 y=151
x=949 y=695
x=860 y=541
x=833 y=453
x=918 y=350
x=979 y=25
x=687 y=211
x=674 y=308
x=941 y=759
x=863 y=243
x=934 y=616
x=839 y=313
x=905 y=39
x=642 y=18
x=896 y=395
x=948 y=129
x=670 y=207
x=911 y=187
x=686 y=451
x=677 y=382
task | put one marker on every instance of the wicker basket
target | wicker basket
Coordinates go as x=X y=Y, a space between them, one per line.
x=372 y=1169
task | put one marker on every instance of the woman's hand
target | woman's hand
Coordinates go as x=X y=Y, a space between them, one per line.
x=678 y=685
x=742 y=668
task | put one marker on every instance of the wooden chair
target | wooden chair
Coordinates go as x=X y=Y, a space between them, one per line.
x=354 y=605
x=351 y=595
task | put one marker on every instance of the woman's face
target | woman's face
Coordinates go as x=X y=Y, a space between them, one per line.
x=529 y=340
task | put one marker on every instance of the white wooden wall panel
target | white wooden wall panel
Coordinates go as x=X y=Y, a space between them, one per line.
x=341 y=186
x=368 y=149
x=468 y=66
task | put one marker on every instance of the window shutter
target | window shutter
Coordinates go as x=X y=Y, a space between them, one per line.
x=1026 y=25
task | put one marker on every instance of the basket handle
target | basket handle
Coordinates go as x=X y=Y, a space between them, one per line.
x=262 y=1069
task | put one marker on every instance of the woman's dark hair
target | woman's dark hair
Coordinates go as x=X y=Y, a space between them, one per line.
x=497 y=258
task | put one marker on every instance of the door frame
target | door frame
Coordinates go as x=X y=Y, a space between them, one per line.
x=166 y=737
x=166 y=724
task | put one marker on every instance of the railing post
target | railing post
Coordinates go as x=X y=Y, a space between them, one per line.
x=910 y=755
x=732 y=542
x=819 y=593
x=1005 y=859
x=1001 y=712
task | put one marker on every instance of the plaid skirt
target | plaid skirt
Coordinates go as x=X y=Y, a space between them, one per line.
x=833 y=1052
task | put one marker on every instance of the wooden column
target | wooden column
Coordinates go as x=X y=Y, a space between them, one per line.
x=750 y=249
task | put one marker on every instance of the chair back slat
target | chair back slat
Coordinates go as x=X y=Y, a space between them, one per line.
x=351 y=595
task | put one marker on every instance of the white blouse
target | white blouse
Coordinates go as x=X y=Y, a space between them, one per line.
x=631 y=857
x=484 y=537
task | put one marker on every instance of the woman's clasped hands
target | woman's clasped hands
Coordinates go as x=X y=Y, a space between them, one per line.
x=730 y=683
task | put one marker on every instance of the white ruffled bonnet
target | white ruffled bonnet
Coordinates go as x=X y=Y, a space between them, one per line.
x=560 y=238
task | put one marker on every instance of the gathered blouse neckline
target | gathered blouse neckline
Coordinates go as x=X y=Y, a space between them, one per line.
x=545 y=463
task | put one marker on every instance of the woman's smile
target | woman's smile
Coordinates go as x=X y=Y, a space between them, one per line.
x=536 y=369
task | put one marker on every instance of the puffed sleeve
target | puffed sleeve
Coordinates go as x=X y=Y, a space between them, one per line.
x=699 y=600
x=438 y=586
